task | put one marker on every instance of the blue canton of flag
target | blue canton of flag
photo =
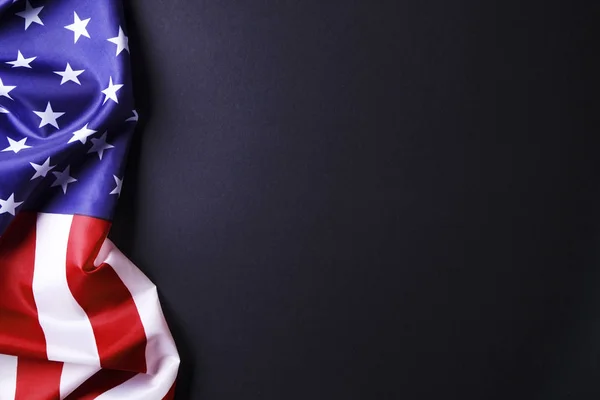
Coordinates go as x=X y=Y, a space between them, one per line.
x=66 y=107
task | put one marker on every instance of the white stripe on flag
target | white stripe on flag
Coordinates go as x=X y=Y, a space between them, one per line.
x=68 y=332
x=8 y=377
x=161 y=354
x=73 y=375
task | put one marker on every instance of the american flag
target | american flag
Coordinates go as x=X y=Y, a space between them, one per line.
x=77 y=319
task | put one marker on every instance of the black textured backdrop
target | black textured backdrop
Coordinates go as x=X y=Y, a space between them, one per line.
x=370 y=199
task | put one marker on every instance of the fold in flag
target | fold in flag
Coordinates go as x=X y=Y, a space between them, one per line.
x=77 y=319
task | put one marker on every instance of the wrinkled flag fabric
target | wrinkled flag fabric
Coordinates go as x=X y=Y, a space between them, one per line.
x=77 y=319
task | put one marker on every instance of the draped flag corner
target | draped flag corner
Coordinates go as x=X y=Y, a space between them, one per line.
x=77 y=319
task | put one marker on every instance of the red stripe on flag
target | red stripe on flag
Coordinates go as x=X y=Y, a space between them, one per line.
x=38 y=379
x=102 y=381
x=20 y=330
x=170 y=394
x=117 y=326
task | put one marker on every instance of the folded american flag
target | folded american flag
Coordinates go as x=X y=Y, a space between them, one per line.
x=77 y=319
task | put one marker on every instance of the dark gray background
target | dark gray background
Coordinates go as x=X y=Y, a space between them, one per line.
x=370 y=199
